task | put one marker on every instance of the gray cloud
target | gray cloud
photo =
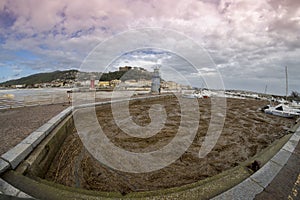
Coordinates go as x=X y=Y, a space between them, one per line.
x=249 y=41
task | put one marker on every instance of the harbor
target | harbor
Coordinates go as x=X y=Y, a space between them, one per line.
x=150 y=100
x=262 y=137
x=250 y=136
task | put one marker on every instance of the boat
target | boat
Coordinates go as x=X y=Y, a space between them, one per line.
x=282 y=111
x=194 y=95
x=198 y=94
x=295 y=104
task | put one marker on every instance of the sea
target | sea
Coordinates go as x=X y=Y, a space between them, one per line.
x=10 y=98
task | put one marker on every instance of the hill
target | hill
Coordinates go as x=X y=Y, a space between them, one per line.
x=43 y=78
x=71 y=75
x=133 y=74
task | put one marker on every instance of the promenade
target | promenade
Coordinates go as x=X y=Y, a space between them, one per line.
x=18 y=123
x=286 y=185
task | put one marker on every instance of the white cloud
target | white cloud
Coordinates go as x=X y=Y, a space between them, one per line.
x=247 y=39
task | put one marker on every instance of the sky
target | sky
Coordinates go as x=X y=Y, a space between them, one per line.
x=250 y=42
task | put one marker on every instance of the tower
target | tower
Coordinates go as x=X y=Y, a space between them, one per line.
x=92 y=82
x=155 y=85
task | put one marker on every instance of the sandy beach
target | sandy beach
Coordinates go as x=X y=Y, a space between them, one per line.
x=246 y=132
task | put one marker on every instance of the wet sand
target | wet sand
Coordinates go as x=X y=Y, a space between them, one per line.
x=246 y=132
x=18 y=123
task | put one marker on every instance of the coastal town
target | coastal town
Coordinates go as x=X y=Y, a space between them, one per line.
x=140 y=81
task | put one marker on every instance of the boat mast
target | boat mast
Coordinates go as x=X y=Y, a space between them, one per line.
x=266 y=88
x=286 y=83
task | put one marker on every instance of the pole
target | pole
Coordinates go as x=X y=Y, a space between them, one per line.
x=266 y=88
x=286 y=83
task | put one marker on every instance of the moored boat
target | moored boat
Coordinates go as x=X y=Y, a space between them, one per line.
x=282 y=111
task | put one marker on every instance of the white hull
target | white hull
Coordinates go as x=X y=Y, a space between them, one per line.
x=282 y=111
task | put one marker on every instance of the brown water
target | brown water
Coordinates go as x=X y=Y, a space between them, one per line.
x=246 y=132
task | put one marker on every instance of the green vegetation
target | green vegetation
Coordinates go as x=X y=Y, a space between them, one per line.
x=294 y=96
x=112 y=75
x=126 y=75
x=43 y=78
x=71 y=75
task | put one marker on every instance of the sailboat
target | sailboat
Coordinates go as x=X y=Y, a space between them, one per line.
x=282 y=109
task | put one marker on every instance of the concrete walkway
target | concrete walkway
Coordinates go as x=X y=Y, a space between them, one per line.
x=286 y=185
x=278 y=179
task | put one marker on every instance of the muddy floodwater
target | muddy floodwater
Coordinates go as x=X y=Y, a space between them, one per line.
x=246 y=132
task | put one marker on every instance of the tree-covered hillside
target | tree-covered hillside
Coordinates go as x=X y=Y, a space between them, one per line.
x=62 y=76
x=43 y=78
x=126 y=75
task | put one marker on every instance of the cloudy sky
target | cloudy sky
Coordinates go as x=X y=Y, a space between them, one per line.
x=249 y=41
